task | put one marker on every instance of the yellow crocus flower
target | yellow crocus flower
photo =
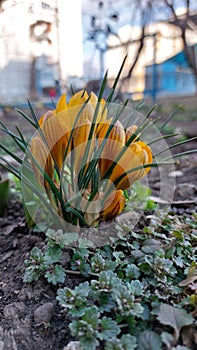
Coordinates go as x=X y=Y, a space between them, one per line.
x=68 y=127
x=43 y=157
x=135 y=155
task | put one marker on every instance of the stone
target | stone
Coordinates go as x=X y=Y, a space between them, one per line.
x=73 y=345
x=186 y=191
x=43 y=313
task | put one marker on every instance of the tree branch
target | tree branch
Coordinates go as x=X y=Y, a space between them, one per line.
x=140 y=47
x=182 y=24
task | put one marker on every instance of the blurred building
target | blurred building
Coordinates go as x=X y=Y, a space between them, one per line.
x=162 y=51
x=110 y=39
x=40 y=47
x=171 y=77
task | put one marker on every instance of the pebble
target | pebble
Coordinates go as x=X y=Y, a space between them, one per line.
x=73 y=345
x=186 y=191
x=175 y=173
x=43 y=313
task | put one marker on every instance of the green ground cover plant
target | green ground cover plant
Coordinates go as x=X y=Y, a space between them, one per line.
x=137 y=293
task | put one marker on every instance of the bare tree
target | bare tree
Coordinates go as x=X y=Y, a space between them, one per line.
x=149 y=11
x=107 y=21
x=186 y=22
x=144 y=19
x=183 y=22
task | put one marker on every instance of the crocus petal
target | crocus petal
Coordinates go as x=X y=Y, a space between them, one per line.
x=102 y=129
x=93 y=98
x=129 y=132
x=56 y=134
x=137 y=154
x=78 y=98
x=41 y=119
x=45 y=116
x=61 y=104
x=88 y=112
x=114 y=144
x=42 y=156
x=102 y=110
x=117 y=132
x=80 y=142
x=113 y=206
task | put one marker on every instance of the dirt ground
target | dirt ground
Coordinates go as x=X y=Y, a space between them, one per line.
x=21 y=319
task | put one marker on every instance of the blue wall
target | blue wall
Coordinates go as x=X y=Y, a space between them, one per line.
x=172 y=76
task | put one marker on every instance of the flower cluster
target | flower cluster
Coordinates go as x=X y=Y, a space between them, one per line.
x=89 y=155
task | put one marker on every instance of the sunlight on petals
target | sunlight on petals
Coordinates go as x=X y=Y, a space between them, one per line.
x=114 y=144
x=136 y=155
x=113 y=206
x=61 y=104
x=42 y=156
x=56 y=135
x=80 y=141
x=129 y=132
x=77 y=99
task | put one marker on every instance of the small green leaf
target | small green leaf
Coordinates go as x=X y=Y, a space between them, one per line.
x=52 y=255
x=150 y=246
x=135 y=287
x=150 y=205
x=97 y=263
x=142 y=192
x=86 y=334
x=149 y=340
x=109 y=328
x=74 y=300
x=167 y=339
x=56 y=276
x=178 y=234
x=89 y=343
x=91 y=316
x=128 y=341
x=132 y=271
x=37 y=255
x=31 y=274
x=113 y=344
x=176 y=318
x=105 y=302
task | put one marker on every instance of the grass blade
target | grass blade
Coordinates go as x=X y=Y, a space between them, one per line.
x=180 y=154
x=169 y=118
x=161 y=138
x=26 y=117
x=12 y=169
x=33 y=114
x=14 y=156
x=175 y=145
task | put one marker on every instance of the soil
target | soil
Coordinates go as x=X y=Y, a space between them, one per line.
x=20 y=328
x=30 y=317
